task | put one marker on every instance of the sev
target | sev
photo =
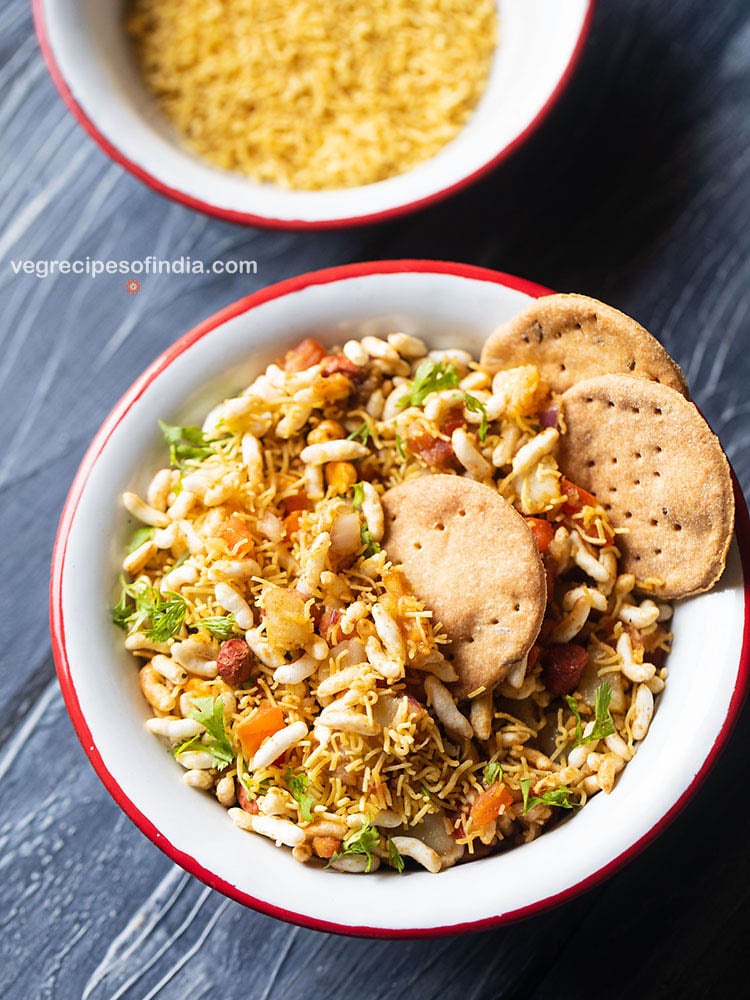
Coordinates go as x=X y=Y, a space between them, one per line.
x=310 y=96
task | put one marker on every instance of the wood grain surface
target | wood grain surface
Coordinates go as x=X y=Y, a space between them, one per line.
x=637 y=191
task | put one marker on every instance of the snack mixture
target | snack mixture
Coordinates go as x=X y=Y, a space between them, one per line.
x=377 y=620
x=308 y=95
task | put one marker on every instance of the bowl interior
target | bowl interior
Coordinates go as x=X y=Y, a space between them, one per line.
x=100 y=679
x=538 y=40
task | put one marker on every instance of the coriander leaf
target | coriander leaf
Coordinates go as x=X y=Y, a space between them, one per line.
x=474 y=405
x=166 y=617
x=185 y=443
x=491 y=774
x=362 y=434
x=220 y=626
x=365 y=535
x=135 y=604
x=359 y=495
x=362 y=841
x=140 y=535
x=297 y=785
x=401 y=445
x=194 y=743
x=560 y=797
x=603 y=724
x=122 y=612
x=252 y=787
x=573 y=705
x=247 y=783
x=210 y=713
x=430 y=376
x=394 y=858
x=366 y=539
x=525 y=786
x=140 y=603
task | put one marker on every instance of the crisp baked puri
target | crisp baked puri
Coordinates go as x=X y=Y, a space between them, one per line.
x=650 y=458
x=473 y=560
x=573 y=337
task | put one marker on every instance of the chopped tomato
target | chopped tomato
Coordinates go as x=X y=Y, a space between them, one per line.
x=592 y=534
x=267 y=720
x=291 y=523
x=236 y=533
x=339 y=364
x=577 y=497
x=453 y=418
x=490 y=804
x=306 y=354
x=542 y=531
x=293 y=508
x=433 y=450
x=300 y=501
x=245 y=802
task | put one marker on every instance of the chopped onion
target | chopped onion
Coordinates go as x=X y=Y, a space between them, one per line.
x=271 y=527
x=548 y=417
x=345 y=534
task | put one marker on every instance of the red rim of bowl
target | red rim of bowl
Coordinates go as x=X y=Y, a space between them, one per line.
x=247 y=218
x=57 y=624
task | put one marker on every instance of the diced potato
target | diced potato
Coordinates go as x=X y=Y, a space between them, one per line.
x=539 y=487
x=288 y=625
x=520 y=390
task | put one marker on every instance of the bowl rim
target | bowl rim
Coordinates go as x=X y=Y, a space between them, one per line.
x=144 y=824
x=268 y=222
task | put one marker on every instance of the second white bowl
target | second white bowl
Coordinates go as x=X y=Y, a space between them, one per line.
x=84 y=45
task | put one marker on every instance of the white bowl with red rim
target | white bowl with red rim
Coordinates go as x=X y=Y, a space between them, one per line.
x=447 y=304
x=87 y=54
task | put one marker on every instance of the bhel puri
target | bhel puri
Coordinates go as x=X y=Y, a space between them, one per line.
x=381 y=611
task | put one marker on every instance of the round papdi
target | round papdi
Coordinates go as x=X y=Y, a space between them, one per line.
x=653 y=462
x=573 y=337
x=473 y=560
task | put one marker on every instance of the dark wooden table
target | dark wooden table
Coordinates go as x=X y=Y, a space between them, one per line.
x=636 y=190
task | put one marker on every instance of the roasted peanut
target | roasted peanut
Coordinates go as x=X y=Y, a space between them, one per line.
x=235 y=662
x=340 y=476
